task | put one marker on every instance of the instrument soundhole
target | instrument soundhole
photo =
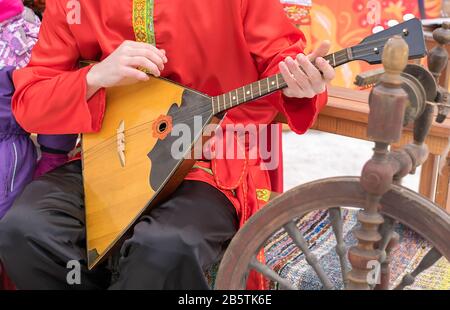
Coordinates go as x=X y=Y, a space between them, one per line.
x=162 y=127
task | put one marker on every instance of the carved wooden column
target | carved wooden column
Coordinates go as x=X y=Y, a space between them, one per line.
x=387 y=109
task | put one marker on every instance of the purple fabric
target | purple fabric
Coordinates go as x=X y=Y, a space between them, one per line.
x=18 y=35
x=64 y=143
x=48 y=162
x=17 y=151
x=8 y=124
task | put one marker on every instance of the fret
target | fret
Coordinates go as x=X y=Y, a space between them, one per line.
x=275 y=82
x=246 y=93
x=224 y=102
x=218 y=103
x=349 y=54
x=272 y=83
x=243 y=97
x=337 y=58
x=283 y=82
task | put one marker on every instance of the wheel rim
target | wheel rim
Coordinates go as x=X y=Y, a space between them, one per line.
x=401 y=204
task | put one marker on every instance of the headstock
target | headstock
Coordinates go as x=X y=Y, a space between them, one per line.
x=371 y=48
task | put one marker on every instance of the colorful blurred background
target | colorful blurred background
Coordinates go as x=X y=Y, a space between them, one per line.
x=347 y=22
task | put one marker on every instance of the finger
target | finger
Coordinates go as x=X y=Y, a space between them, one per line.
x=152 y=49
x=327 y=70
x=313 y=74
x=136 y=74
x=293 y=87
x=300 y=77
x=147 y=46
x=306 y=70
x=139 y=52
x=321 y=51
x=145 y=63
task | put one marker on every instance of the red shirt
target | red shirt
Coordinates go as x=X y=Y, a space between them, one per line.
x=213 y=46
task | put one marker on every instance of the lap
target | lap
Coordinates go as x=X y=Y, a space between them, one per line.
x=54 y=204
x=55 y=196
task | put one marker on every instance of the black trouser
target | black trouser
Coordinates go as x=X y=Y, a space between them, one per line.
x=169 y=249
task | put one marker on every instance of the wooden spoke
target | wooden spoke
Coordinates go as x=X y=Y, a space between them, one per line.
x=427 y=261
x=388 y=241
x=299 y=240
x=336 y=222
x=386 y=230
x=270 y=274
x=405 y=206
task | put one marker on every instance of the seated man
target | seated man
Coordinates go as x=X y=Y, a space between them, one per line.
x=211 y=46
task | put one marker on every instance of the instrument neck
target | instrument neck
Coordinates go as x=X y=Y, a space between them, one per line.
x=268 y=85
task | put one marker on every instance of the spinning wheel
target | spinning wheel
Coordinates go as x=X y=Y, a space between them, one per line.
x=399 y=204
x=401 y=97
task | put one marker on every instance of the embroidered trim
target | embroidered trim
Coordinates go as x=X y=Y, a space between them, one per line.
x=209 y=171
x=263 y=194
x=143 y=23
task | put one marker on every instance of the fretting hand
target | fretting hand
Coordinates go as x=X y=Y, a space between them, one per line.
x=304 y=79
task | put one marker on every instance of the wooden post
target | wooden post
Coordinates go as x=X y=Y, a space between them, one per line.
x=428 y=177
x=443 y=186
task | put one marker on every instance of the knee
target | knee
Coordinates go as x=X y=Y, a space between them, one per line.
x=17 y=225
x=167 y=247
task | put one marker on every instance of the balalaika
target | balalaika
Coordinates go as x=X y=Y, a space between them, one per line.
x=128 y=167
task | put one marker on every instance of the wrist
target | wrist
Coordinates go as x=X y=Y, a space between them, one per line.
x=93 y=82
x=92 y=79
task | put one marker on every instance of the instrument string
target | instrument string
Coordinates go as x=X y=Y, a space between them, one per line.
x=175 y=118
x=113 y=142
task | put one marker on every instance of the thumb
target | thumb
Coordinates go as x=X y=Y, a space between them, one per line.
x=321 y=51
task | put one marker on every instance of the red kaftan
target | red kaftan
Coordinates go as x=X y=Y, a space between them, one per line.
x=213 y=46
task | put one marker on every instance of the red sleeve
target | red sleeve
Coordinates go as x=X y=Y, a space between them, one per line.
x=271 y=38
x=50 y=96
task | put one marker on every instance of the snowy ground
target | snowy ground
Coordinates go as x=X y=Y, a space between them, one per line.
x=317 y=155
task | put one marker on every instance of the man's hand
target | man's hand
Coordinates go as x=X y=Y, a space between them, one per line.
x=121 y=67
x=304 y=79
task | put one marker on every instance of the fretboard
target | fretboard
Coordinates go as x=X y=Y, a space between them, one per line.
x=268 y=85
